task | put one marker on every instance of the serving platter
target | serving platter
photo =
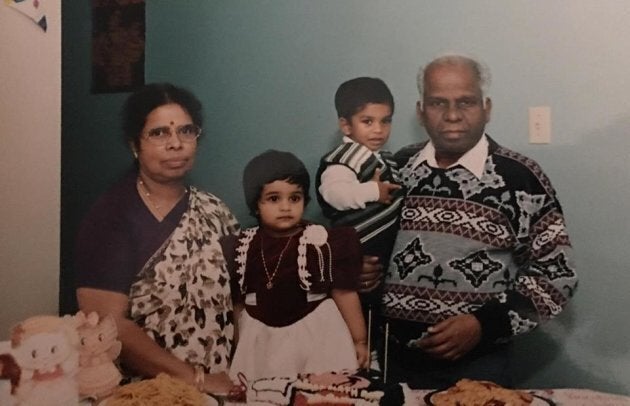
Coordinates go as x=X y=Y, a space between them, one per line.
x=538 y=400
x=210 y=401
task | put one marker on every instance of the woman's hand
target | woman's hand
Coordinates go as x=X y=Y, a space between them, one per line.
x=370 y=276
x=139 y=352
x=218 y=383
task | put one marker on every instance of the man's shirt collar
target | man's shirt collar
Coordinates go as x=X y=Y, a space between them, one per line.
x=474 y=160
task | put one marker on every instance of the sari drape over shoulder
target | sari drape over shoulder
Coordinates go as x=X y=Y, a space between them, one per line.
x=182 y=295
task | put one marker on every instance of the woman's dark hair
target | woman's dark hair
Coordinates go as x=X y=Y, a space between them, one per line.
x=142 y=102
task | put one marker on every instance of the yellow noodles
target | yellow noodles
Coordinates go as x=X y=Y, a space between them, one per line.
x=159 y=391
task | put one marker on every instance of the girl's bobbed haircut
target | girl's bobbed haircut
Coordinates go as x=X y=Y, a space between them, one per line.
x=268 y=167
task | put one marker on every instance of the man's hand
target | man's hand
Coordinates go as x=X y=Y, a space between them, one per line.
x=385 y=189
x=452 y=338
x=370 y=276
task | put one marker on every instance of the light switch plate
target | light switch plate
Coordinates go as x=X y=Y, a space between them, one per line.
x=540 y=125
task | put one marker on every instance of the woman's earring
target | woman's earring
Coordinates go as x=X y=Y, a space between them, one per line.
x=135 y=154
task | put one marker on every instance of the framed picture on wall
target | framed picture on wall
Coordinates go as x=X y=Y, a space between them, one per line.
x=118 y=39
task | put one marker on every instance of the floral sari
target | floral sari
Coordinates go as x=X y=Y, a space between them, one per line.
x=181 y=297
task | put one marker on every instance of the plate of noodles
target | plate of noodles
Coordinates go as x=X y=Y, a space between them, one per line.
x=162 y=390
x=210 y=401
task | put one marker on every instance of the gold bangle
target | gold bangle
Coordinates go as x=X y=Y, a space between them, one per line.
x=200 y=378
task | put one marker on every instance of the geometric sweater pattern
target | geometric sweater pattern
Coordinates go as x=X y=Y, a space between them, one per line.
x=496 y=246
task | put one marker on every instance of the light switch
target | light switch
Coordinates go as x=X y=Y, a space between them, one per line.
x=540 y=125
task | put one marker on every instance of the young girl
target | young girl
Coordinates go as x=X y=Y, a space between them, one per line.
x=294 y=283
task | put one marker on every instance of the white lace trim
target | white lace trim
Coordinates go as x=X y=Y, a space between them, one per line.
x=242 y=248
x=317 y=236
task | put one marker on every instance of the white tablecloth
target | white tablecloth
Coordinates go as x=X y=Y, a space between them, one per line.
x=560 y=397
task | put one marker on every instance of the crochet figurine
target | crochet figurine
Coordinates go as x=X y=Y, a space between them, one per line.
x=98 y=376
x=46 y=350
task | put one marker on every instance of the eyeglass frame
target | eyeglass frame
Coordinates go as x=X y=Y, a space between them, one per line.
x=178 y=132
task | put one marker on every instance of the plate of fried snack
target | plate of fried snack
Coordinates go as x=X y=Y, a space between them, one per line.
x=483 y=393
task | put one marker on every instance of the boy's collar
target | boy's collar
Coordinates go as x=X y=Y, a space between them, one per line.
x=347 y=139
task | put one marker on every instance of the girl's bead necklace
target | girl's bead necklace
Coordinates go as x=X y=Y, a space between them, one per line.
x=271 y=277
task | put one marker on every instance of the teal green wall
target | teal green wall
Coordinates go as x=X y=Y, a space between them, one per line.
x=267 y=71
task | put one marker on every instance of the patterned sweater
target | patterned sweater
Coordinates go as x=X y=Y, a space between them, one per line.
x=377 y=223
x=496 y=247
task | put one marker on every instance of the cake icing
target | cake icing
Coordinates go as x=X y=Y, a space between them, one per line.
x=331 y=388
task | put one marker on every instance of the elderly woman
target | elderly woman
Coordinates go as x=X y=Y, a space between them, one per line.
x=148 y=251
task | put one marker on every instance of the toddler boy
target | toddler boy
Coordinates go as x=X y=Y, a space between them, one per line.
x=356 y=181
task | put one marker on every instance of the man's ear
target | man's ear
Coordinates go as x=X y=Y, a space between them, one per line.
x=345 y=126
x=420 y=112
x=488 y=109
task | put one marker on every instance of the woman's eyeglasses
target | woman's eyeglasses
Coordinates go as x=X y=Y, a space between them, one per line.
x=161 y=135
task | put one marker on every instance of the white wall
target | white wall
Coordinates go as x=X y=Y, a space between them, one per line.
x=30 y=134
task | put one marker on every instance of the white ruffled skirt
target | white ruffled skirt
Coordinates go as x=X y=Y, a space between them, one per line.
x=320 y=342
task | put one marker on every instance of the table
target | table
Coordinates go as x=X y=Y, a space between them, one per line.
x=560 y=397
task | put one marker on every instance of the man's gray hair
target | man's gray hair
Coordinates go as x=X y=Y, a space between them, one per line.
x=479 y=68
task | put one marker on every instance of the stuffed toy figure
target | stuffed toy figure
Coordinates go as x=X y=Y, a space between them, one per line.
x=10 y=373
x=46 y=350
x=98 y=375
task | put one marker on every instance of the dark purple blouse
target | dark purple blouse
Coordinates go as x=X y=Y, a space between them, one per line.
x=118 y=235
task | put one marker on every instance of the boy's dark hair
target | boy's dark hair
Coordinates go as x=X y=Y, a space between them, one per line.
x=151 y=96
x=354 y=94
x=271 y=166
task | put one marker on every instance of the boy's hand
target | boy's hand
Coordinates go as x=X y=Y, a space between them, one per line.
x=384 y=188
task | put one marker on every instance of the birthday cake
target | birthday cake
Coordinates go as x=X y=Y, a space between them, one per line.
x=331 y=388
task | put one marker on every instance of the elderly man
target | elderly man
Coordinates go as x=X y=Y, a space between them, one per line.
x=482 y=253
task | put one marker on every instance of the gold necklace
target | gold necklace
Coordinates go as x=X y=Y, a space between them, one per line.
x=270 y=278
x=147 y=194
